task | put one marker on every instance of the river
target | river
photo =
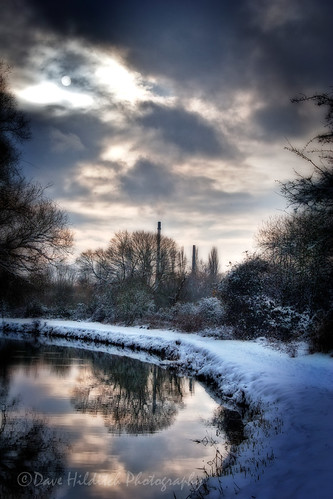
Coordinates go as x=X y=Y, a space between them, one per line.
x=79 y=423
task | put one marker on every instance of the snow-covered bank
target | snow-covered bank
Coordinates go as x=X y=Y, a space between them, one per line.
x=293 y=452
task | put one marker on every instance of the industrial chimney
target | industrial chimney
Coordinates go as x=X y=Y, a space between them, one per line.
x=194 y=259
x=158 y=252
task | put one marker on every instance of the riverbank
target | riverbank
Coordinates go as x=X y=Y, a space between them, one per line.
x=289 y=452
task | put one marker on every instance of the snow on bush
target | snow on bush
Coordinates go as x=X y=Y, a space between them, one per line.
x=81 y=312
x=133 y=303
x=260 y=315
x=210 y=310
x=189 y=317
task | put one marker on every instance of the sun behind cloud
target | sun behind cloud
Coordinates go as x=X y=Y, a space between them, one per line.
x=66 y=81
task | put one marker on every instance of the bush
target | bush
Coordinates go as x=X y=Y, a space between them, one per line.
x=133 y=303
x=191 y=317
x=322 y=339
x=260 y=315
x=287 y=322
x=211 y=311
x=103 y=313
x=187 y=317
x=81 y=312
x=35 y=309
x=253 y=304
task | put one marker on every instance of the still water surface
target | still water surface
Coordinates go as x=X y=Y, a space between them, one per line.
x=77 y=423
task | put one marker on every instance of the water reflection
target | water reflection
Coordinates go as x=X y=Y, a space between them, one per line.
x=125 y=420
x=27 y=443
x=133 y=397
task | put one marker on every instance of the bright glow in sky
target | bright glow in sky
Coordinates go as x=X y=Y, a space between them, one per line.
x=122 y=83
x=47 y=93
x=66 y=80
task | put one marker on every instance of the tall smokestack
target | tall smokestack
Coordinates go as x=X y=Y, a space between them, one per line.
x=194 y=258
x=158 y=252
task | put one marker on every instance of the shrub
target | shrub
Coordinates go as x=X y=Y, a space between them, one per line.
x=322 y=338
x=103 y=313
x=133 y=303
x=81 y=312
x=211 y=311
x=35 y=309
x=187 y=317
x=260 y=315
x=191 y=317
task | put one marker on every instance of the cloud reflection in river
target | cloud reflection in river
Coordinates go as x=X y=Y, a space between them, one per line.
x=122 y=417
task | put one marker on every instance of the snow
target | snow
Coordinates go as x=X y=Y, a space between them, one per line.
x=289 y=452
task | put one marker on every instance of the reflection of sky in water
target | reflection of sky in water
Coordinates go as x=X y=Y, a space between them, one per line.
x=99 y=441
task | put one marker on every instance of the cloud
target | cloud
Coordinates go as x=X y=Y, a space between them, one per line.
x=206 y=47
x=188 y=105
x=206 y=44
x=189 y=131
x=61 y=142
x=147 y=182
x=278 y=121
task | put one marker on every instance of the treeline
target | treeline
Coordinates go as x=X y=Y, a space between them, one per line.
x=284 y=290
x=126 y=282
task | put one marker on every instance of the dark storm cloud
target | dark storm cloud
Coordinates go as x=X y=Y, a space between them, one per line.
x=68 y=62
x=191 y=133
x=248 y=43
x=293 y=48
x=187 y=40
x=60 y=143
x=278 y=121
x=275 y=49
x=17 y=33
x=148 y=183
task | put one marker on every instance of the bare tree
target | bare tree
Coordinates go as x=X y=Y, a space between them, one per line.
x=125 y=271
x=295 y=245
x=32 y=228
x=130 y=256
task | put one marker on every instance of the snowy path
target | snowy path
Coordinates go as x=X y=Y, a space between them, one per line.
x=295 y=394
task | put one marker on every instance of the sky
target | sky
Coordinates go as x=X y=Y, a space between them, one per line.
x=171 y=111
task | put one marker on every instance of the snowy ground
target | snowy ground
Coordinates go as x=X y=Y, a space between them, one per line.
x=290 y=450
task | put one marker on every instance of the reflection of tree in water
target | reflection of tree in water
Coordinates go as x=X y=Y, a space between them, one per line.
x=27 y=444
x=133 y=397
